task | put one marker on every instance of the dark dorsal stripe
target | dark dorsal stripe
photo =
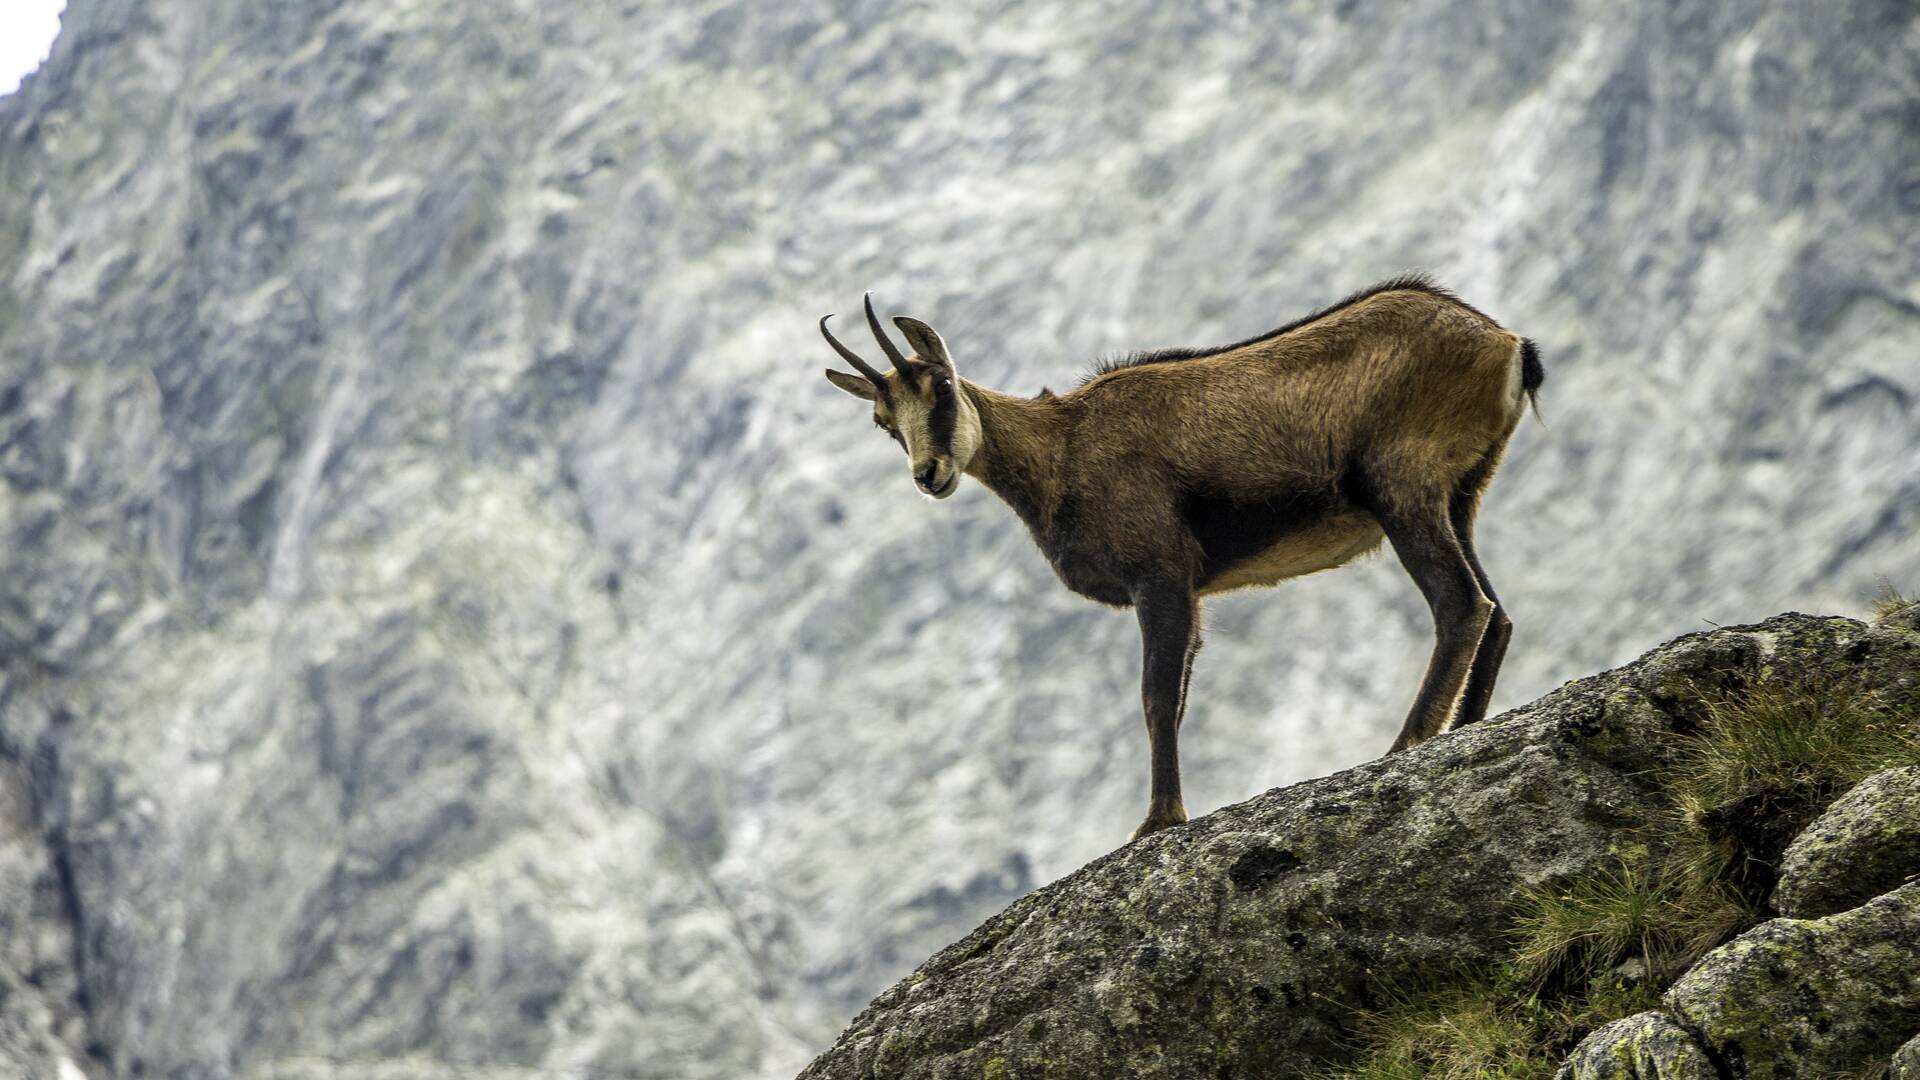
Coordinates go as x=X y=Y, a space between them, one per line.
x=1409 y=282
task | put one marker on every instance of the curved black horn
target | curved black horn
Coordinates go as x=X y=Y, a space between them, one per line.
x=849 y=355
x=886 y=343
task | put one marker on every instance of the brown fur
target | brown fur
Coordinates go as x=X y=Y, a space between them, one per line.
x=1382 y=417
x=1406 y=385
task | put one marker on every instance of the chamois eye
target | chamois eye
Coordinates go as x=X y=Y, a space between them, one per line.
x=943 y=387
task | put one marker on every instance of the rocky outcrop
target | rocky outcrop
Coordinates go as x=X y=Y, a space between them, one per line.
x=1644 y=1046
x=1830 y=990
x=1239 y=944
x=1867 y=843
x=1819 y=997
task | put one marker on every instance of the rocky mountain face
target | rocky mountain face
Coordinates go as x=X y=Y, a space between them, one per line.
x=448 y=627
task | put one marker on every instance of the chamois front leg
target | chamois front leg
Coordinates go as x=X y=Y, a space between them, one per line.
x=1167 y=641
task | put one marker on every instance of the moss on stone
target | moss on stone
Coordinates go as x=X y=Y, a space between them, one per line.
x=1810 y=997
x=1865 y=844
x=1645 y=1046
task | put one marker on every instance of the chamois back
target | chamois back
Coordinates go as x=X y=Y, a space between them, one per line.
x=1414 y=282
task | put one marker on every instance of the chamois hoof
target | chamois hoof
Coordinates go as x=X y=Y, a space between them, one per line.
x=1160 y=817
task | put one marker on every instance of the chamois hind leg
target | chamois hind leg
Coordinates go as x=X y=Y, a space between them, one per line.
x=1167 y=614
x=1493 y=645
x=1425 y=543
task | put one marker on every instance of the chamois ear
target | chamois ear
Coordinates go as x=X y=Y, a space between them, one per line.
x=853 y=384
x=926 y=344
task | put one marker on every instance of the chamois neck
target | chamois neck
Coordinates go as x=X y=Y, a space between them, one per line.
x=1019 y=453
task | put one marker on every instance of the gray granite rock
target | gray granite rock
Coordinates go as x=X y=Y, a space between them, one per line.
x=1867 y=843
x=1644 y=1046
x=1906 y=1060
x=1814 y=997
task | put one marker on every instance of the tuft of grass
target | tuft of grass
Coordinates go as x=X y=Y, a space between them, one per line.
x=1588 y=928
x=1762 y=765
x=1767 y=761
x=1489 y=1027
x=1459 y=1035
x=1889 y=602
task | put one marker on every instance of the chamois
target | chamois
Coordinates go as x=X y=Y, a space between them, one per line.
x=1169 y=476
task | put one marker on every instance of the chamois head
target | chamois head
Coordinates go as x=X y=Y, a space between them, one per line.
x=920 y=402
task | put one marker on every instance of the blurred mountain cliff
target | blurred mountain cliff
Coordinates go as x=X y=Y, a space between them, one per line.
x=448 y=628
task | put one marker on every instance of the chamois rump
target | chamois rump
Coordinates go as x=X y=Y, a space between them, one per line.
x=1169 y=476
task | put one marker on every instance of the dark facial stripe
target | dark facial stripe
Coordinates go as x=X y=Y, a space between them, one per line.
x=946 y=412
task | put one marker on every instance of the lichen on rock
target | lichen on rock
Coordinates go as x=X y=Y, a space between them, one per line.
x=1867 y=843
x=1644 y=1046
x=1814 y=997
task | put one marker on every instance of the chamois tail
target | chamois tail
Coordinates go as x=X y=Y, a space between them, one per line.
x=1532 y=374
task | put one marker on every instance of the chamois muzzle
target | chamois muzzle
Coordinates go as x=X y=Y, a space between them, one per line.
x=935 y=482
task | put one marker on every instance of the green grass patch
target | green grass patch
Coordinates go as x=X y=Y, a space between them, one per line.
x=1488 y=1026
x=1769 y=760
x=1889 y=602
x=1764 y=762
x=1590 y=928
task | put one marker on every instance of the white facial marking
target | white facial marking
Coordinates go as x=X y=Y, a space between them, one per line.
x=934 y=473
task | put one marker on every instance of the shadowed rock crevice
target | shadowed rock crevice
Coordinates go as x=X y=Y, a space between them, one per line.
x=46 y=1020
